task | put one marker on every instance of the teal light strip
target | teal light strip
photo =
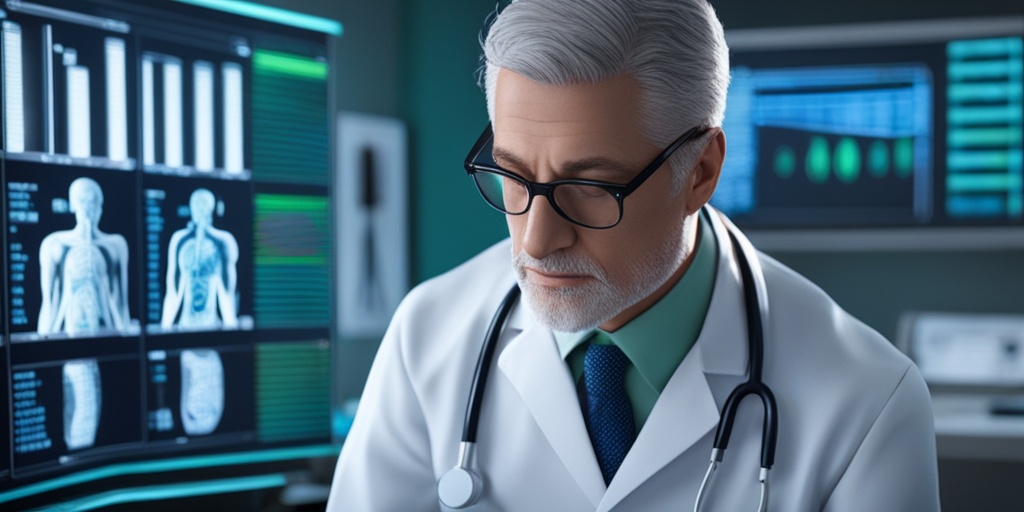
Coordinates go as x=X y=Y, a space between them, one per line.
x=998 y=47
x=983 y=183
x=982 y=91
x=997 y=160
x=973 y=70
x=1009 y=136
x=272 y=14
x=171 y=491
x=156 y=466
x=1010 y=114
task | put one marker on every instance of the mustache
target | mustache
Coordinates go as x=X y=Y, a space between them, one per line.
x=558 y=262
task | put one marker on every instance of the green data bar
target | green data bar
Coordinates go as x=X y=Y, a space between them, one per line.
x=983 y=183
x=962 y=137
x=291 y=203
x=294 y=260
x=289 y=64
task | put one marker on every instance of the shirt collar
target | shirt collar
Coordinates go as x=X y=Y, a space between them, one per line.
x=658 y=339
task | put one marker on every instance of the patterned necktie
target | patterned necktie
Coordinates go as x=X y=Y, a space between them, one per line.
x=609 y=414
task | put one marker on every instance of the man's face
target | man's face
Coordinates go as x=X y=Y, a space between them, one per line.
x=572 y=277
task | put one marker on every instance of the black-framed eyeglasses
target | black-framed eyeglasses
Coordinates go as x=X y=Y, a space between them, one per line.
x=588 y=203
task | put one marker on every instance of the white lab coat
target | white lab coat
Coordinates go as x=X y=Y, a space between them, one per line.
x=855 y=420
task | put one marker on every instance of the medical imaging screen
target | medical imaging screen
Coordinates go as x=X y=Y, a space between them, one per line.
x=879 y=135
x=198 y=254
x=167 y=178
x=197 y=88
x=200 y=393
x=71 y=242
x=68 y=92
x=74 y=410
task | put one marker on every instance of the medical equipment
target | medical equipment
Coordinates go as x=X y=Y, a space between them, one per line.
x=462 y=486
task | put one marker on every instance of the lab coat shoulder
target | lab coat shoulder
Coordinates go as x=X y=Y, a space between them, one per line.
x=406 y=432
x=854 y=395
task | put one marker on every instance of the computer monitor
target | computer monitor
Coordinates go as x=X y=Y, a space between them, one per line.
x=167 y=246
x=908 y=127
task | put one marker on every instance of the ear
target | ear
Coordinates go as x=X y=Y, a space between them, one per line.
x=704 y=176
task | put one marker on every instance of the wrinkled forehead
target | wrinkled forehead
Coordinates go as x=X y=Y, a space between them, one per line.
x=605 y=114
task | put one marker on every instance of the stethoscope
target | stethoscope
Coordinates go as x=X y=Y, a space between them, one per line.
x=462 y=486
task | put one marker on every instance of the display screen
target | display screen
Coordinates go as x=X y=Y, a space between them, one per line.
x=902 y=125
x=167 y=243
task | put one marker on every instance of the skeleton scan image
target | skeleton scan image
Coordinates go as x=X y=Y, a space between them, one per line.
x=83 y=271
x=83 y=401
x=201 y=271
x=202 y=391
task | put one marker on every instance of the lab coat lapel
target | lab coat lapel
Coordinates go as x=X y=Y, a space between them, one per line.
x=532 y=364
x=684 y=413
x=687 y=408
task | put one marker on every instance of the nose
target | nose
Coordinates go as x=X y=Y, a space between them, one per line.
x=544 y=230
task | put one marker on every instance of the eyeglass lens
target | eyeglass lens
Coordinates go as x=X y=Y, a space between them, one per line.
x=584 y=204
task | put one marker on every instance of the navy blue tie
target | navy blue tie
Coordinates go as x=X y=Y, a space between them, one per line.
x=609 y=414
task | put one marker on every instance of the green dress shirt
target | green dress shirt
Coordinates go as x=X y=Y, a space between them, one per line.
x=658 y=339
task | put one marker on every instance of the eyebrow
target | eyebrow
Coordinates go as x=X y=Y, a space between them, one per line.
x=570 y=167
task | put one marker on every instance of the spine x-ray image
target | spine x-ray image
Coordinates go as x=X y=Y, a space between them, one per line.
x=201 y=271
x=83 y=401
x=202 y=391
x=83 y=271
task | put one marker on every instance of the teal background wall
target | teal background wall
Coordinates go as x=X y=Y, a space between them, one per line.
x=418 y=60
x=446 y=112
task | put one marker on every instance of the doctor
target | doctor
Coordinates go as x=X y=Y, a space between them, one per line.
x=610 y=373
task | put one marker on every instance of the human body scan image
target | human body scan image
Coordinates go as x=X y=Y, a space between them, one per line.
x=83 y=401
x=201 y=270
x=202 y=391
x=83 y=271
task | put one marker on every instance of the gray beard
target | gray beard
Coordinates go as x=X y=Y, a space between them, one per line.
x=584 y=307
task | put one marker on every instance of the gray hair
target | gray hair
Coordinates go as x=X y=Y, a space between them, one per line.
x=675 y=49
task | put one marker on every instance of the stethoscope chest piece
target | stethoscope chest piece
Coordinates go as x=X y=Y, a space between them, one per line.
x=461 y=486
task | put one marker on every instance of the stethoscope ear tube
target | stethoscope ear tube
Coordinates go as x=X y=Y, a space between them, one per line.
x=756 y=308
x=755 y=298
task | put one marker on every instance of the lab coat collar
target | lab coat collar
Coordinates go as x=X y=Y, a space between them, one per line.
x=685 y=412
x=532 y=364
x=723 y=339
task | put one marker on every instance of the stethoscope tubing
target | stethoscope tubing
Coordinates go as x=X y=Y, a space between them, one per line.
x=483 y=365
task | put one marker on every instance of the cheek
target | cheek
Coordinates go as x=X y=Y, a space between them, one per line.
x=648 y=223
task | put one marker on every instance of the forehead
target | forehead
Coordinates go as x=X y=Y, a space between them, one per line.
x=605 y=114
